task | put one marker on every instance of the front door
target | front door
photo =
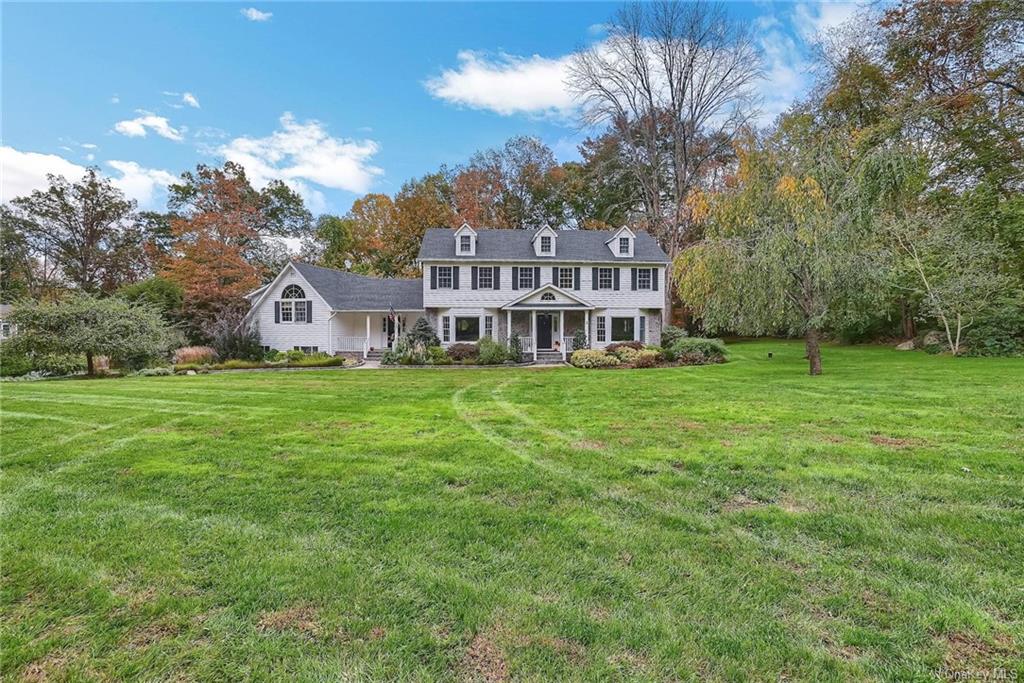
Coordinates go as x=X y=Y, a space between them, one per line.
x=543 y=330
x=389 y=331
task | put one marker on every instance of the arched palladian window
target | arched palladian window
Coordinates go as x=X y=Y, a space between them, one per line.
x=547 y=296
x=292 y=308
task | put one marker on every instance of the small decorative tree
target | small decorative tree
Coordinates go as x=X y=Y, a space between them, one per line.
x=515 y=347
x=579 y=340
x=422 y=334
x=130 y=334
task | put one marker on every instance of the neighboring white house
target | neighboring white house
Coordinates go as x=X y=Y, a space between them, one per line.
x=7 y=328
x=542 y=285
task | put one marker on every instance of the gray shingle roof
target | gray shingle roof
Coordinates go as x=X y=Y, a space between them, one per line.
x=515 y=245
x=351 y=292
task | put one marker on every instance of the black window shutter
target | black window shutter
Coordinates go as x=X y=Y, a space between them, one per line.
x=309 y=311
x=536 y=277
x=515 y=277
x=576 y=278
x=632 y=275
x=615 y=274
x=433 y=277
x=593 y=281
x=472 y=276
x=554 y=277
x=654 y=279
x=277 y=311
x=497 y=277
x=455 y=277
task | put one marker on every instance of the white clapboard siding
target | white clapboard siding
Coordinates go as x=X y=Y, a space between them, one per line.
x=467 y=297
x=285 y=336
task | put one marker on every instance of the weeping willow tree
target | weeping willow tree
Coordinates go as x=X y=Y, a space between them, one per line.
x=785 y=249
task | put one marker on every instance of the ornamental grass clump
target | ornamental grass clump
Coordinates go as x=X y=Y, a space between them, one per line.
x=195 y=354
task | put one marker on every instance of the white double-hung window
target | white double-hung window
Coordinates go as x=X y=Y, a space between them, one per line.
x=292 y=305
x=444 y=277
x=565 y=276
x=643 y=278
x=485 y=278
x=526 y=278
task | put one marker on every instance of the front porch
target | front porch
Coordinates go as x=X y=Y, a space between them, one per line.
x=365 y=332
x=547 y=330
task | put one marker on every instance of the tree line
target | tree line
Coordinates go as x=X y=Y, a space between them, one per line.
x=890 y=198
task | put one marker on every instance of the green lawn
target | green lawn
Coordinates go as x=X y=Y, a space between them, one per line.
x=743 y=521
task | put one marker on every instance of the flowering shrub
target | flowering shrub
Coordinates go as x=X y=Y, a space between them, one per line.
x=195 y=354
x=593 y=358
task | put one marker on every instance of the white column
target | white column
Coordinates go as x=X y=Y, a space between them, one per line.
x=533 y=332
x=636 y=328
x=366 y=344
x=330 y=334
x=508 y=326
x=586 y=325
x=480 y=329
x=561 y=331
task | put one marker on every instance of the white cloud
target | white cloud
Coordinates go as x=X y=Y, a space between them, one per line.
x=90 y=157
x=26 y=171
x=507 y=84
x=23 y=172
x=115 y=99
x=144 y=185
x=88 y=145
x=136 y=128
x=186 y=98
x=304 y=153
x=787 y=75
x=253 y=14
x=813 y=19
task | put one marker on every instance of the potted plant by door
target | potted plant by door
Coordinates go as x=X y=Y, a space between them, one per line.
x=558 y=345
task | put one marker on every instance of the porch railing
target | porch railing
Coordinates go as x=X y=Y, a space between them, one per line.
x=350 y=344
x=526 y=344
x=567 y=344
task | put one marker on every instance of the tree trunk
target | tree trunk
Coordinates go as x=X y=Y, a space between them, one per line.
x=907 y=320
x=89 y=365
x=813 y=350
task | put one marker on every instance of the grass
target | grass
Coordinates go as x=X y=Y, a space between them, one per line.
x=742 y=521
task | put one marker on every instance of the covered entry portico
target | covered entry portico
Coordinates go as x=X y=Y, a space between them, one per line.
x=546 y=319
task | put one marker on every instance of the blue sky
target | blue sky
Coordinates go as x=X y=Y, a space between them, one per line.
x=335 y=99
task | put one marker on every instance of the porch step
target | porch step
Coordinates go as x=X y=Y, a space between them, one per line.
x=375 y=354
x=549 y=357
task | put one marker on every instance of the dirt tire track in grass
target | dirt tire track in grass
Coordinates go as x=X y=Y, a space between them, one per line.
x=517 y=448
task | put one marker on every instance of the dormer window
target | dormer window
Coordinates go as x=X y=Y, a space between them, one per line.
x=544 y=241
x=465 y=241
x=621 y=243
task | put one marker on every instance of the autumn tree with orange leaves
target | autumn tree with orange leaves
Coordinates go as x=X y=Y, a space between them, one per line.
x=222 y=230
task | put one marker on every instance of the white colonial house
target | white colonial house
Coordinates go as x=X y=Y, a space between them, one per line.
x=541 y=285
